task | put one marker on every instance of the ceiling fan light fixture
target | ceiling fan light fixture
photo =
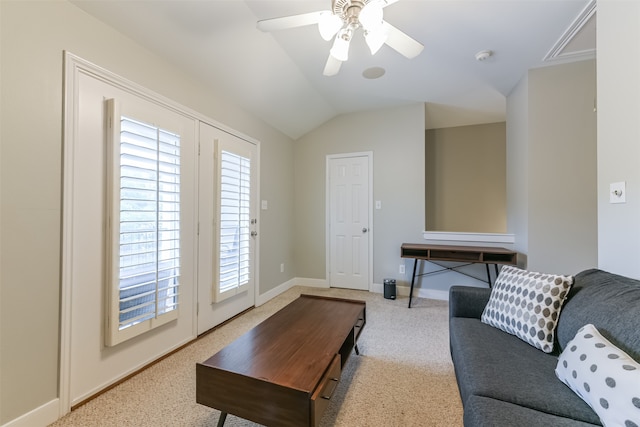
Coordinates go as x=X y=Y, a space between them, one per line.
x=371 y=16
x=375 y=39
x=329 y=24
x=340 y=49
x=345 y=18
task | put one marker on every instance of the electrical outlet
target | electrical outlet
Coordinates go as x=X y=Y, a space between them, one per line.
x=401 y=268
x=282 y=268
x=617 y=192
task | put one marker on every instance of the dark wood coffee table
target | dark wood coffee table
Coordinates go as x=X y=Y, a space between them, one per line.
x=284 y=371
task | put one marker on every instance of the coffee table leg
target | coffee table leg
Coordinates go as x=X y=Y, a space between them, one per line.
x=222 y=419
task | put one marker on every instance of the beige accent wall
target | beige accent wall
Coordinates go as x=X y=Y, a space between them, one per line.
x=33 y=35
x=618 y=41
x=396 y=137
x=553 y=195
x=465 y=177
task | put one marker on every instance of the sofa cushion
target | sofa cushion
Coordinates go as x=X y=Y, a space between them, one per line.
x=491 y=363
x=603 y=376
x=483 y=411
x=467 y=301
x=608 y=301
x=527 y=304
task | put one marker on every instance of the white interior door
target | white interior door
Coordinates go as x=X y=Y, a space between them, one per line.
x=349 y=220
x=227 y=243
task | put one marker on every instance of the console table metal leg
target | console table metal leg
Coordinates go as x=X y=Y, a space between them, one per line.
x=413 y=279
x=222 y=419
x=488 y=275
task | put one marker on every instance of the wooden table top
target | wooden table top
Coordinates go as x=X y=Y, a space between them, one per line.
x=461 y=248
x=293 y=347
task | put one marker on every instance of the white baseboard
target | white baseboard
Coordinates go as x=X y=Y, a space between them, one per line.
x=377 y=288
x=417 y=292
x=41 y=416
x=272 y=293
x=423 y=293
x=312 y=283
x=296 y=281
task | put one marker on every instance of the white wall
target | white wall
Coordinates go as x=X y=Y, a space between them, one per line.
x=618 y=41
x=551 y=174
x=276 y=222
x=33 y=35
x=396 y=137
x=518 y=167
x=562 y=168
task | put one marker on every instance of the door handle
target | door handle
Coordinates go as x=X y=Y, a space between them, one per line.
x=365 y=229
x=254 y=233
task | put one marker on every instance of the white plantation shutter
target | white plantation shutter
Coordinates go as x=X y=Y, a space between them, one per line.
x=234 y=224
x=144 y=227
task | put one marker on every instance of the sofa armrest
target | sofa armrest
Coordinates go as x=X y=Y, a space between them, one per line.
x=467 y=301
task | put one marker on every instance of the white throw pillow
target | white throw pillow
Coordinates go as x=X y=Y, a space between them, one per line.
x=527 y=304
x=604 y=376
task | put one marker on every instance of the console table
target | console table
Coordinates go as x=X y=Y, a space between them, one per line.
x=284 y=371
x=465 y=254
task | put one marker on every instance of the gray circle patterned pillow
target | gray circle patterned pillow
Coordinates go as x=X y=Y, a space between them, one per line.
x=604 y=376
x=527 y=304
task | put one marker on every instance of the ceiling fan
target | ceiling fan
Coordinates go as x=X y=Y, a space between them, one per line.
x=342 y=21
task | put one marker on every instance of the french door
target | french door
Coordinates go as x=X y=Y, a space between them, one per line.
x=227 y=226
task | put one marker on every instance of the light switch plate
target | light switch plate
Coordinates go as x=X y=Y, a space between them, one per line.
x=378 y=204
x=617 y=192
x=265 y=205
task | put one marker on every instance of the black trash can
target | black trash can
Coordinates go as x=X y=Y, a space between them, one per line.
x=390 y=288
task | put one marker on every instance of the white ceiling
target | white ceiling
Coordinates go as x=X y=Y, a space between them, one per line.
x=278 y=76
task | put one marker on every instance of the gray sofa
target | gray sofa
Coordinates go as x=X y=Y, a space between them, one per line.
x=504 y=381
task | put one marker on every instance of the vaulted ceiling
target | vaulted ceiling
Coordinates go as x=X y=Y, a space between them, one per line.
x=278 y=76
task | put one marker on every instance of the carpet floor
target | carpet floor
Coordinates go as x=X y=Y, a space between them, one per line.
x=403 y=376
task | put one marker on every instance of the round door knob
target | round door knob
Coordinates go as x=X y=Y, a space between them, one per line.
x=364 y=229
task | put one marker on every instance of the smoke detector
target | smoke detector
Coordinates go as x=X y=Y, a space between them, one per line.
x=483 y=55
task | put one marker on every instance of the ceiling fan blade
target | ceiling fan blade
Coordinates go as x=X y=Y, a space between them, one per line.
x=332 y=67
x=286 y=22
x=401 y=42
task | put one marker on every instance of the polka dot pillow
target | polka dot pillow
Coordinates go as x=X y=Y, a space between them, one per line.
x=527 y=304
x=603 y=376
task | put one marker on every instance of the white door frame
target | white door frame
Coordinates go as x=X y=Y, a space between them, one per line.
x=74 y=68
x=327 y=204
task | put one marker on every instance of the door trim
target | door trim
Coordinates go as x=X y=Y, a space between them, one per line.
x=327 y=204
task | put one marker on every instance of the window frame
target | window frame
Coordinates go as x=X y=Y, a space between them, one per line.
x=246 y=227
x=114 y=335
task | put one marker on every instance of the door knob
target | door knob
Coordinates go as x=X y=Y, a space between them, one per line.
x=254 y=233
x=365 y=229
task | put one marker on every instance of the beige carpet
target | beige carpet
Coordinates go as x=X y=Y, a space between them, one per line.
x=403 y=376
